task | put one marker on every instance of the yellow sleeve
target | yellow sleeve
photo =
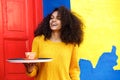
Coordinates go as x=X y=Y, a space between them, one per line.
x=34 y=72
x=74 y=65
x=35 y=47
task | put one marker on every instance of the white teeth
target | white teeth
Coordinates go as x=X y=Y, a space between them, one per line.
x=54 y=24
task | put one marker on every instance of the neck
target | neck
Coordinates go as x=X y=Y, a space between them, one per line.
x=55 y=37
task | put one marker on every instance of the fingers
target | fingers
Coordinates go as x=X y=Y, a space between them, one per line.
x=28 y=65
x=31 y=64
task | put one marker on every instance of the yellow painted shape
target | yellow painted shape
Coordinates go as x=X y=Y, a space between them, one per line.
x=102 y=20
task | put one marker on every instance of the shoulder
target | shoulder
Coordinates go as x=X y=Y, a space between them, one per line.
x=38 y=38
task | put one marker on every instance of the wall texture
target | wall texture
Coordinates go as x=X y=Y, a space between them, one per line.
x=102 y=20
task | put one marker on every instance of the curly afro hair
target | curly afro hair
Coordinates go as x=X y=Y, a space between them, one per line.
x=72 y=27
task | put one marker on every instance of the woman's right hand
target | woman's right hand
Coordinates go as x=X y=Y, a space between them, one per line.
x=29 y=67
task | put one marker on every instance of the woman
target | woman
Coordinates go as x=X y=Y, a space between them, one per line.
x=58 y=37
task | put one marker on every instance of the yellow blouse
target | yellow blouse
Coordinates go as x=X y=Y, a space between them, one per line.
x=64 y=65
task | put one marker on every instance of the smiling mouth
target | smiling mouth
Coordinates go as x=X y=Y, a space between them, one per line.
x=53 y=24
